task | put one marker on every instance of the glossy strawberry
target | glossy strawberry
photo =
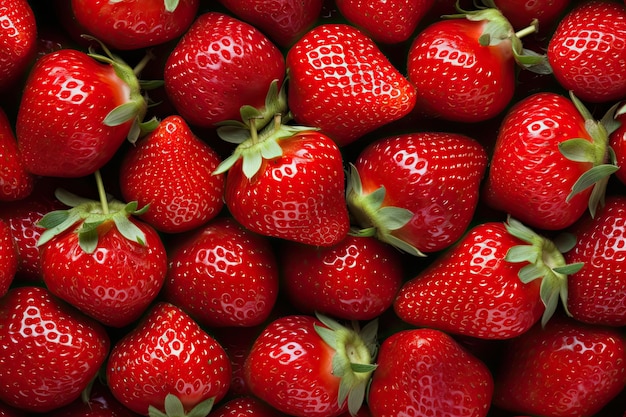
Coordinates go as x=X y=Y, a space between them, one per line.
x=18 y=40
x=341 y=83
x=586 y=51
x=171 y=170
x=521 y=13
x=167 y=353
x=135 y=24
x=50 y=351
x=417 y=191
x=426 y=372
x=8 y=257
x=566 y=369
x=15 y=182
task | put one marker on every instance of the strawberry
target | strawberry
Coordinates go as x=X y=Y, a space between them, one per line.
x=356 y=279
x=521 y=13
x=220 y=64
x=551 y=161
x=586 y=52
x=168 y=361
x=135 y=24
x=341 y=83
x=496 y=283
x=617 y=142
x=426 y=372
x=568 y=369
x=99 y=402
x=15 y=182
x=8 y=257
x=246 y=406
x=417 y=191
x=171 y=170
x=385 y=21
x=307 y=367
x=284 y=21
x=67 y=88
x=18 y=40
x=50 y=351
x=223 y=275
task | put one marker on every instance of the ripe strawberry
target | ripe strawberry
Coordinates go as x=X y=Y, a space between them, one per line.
x=521 y=13
x=8 y=257
x=426 y=372
x=617 y=142
x=50 y=351
x=308 y=367
x=15 y=182
x=135 y=24
x=69 y=88
x=18 y=40
x=586 y=51
x=356 y=279
x=246 y=406
x=551 y=161
x=223 y=275
x=417 y=191
x=99 y=402
x=168 y=353
x=284 y=21
x=567 y=369
x=341 y=83
x=171 y=170
x=385 y=21
x=220 y=65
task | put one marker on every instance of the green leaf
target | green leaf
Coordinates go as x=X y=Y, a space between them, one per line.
x=129 y=229
x=591 y=177
x=327 y=335
x=569 y=269
x=251 y=164
x=530 y=273
x=72 y=218
x=402 y=245
x=171 y=5
x=173 y=406
x=522 y=253
x=578 y=150
x=54 y=219
x=580 y=107
x=393 y=218
x=226 y=164
x=271 y=150
x=202 y=409
x=122 y=114
x=520 y=231
x=249 y=113
x=88 y=239
x=362 y=367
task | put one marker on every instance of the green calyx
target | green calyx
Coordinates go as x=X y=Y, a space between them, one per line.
x=597 y=152
x=374 y=218
x=174 y=408
x=546 y=262
x=355 y=350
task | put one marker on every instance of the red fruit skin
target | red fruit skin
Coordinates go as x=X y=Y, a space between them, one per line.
x=385 y=21
x=520 y=13
x=220 y=64
x=588 y=49
x=568 y=369
x=617 y=141
x=15 y=182
x=134 y=24
x=223 y=275
x=50 y=351
x=246 y=406
x=298 y=196
x=471 y=290
x=167 y=353
x=171 y=169
x=65 y=89
x=455 y=77
x=340 y=82
x=100 y=403
x=8 y=257
x=114 y=284
x=597 y=293
x=426 y=372
x=356 y=279
x=18 y=40
x=528 y=177
x=284 y=21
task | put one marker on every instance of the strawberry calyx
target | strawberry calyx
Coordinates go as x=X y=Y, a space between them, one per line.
x=355 y=349
x=174 y=408
x=546 y=262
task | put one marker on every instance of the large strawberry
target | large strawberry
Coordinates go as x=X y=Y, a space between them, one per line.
x=15 y=182
x=8 y=257
x=168 y=361
x=341 y=83
x=18 y=40
x=424 y=372
x=308 y=367
x=417 y=191
x=50 y=352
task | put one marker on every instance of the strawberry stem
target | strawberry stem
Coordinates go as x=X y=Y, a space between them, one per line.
x=532 y=28
x=101 y=193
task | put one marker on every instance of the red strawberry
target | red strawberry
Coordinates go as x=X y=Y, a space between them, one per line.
x=50 y=352
x=587 y=54
x=385 y=21
x=15 y=182
x=223 y=275
x=135 y=24
x=18 y=40
x=8 y=257
x=246 y=407
x=220 y=65
x=171 y=170
x=168 y=360
x=417 y=191
x=356 y=279
x=308 y=367
x=69 y=88
x=493 y=284
x=99 y=403
x=340 y=82
x=284 y=21
x=521 y=13
x=617 y=142
x=426 y=372
x=567 y=369
x=551 y=161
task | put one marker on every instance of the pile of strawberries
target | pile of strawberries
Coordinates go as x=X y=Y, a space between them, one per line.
x=321 y=208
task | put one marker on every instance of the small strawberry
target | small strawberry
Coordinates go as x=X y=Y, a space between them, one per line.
x=50 y=351
x=18 y=40
x=308 y=367
x=8 y=257
x=168 y=362
x=15 y=182
x=341 y=83
x=426 y=372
